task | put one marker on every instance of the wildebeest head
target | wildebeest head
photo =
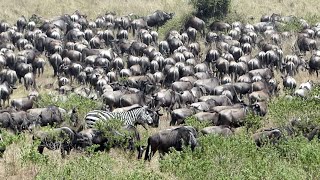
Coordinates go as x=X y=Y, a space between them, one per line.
x=156 y=117
x=51 y=115
x=25 y=124
x=82 y=141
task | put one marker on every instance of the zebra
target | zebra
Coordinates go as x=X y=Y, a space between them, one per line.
x=139 y=115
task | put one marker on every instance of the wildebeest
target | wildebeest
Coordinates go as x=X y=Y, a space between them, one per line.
x=217 y=130
x=105 y=139
x=5 y=92
x=51 y=115
x=23 y=103
x=158 y=18
x=165 y=139
x=196 y=23
x=63 y=138
x=6 y=120
x=267 y=136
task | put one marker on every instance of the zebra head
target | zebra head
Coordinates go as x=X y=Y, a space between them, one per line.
x=146 y=116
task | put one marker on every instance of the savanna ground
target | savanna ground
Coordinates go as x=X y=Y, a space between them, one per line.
x=217 y=158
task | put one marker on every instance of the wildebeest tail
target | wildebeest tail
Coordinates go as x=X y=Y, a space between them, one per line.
x=192 y=141
x=147 y=154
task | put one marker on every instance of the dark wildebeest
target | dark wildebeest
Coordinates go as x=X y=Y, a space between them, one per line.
x=63 y=138
x=158 y=18
x=176 y=138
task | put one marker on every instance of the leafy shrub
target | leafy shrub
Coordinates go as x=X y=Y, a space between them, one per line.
x=175 y=23
x=30 y=154
x=113 y=129
x=198 y=125
x=8 y=139
x=211 y=8
x=84 y=105
x=292 y=26
x=282 y=109
x=238 y=158
x=253 y=122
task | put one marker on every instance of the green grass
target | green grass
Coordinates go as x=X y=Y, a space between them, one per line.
x=238 y=158
x=234 y=157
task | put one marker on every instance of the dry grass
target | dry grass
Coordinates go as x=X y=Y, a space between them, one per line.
x=255 y=9
x=12 y=9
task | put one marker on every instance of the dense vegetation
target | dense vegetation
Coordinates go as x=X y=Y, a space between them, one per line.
x=211 y=8
x=216 y=158
x=238 y=158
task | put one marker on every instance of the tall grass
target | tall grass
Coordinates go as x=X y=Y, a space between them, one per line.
x=12 y=9
x=255 y=9
x=238 y=158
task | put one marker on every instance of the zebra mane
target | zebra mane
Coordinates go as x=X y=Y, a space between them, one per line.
x=136 y=108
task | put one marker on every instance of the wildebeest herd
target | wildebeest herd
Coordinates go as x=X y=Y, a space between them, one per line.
x=217 y=73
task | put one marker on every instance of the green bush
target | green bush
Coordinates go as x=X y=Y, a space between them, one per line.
x=281 y=109
x=7 y=138
x=253 y=122
x=30 y=154
x=84 y=105
x=291 y=26
x=211 y=8
x=194 y=122
x=238 y=158
x=110 y=129
x=175 y=23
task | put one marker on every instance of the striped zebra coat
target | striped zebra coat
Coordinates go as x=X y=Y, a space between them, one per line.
x=139 y=115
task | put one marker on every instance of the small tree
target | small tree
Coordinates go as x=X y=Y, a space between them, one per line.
x=211 y=8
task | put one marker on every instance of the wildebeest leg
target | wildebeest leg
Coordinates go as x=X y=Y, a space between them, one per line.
x=173 y=120
x=180 y=121
x=153 y=151
x=131 y=145
x=102 y=147
x=63 y=154
x=161 y=154
x=68 y=148
x=144 y=126
x=40 y=148
x=312 y=134
x=140 y=151
x=147 y=155
x=4 y=102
